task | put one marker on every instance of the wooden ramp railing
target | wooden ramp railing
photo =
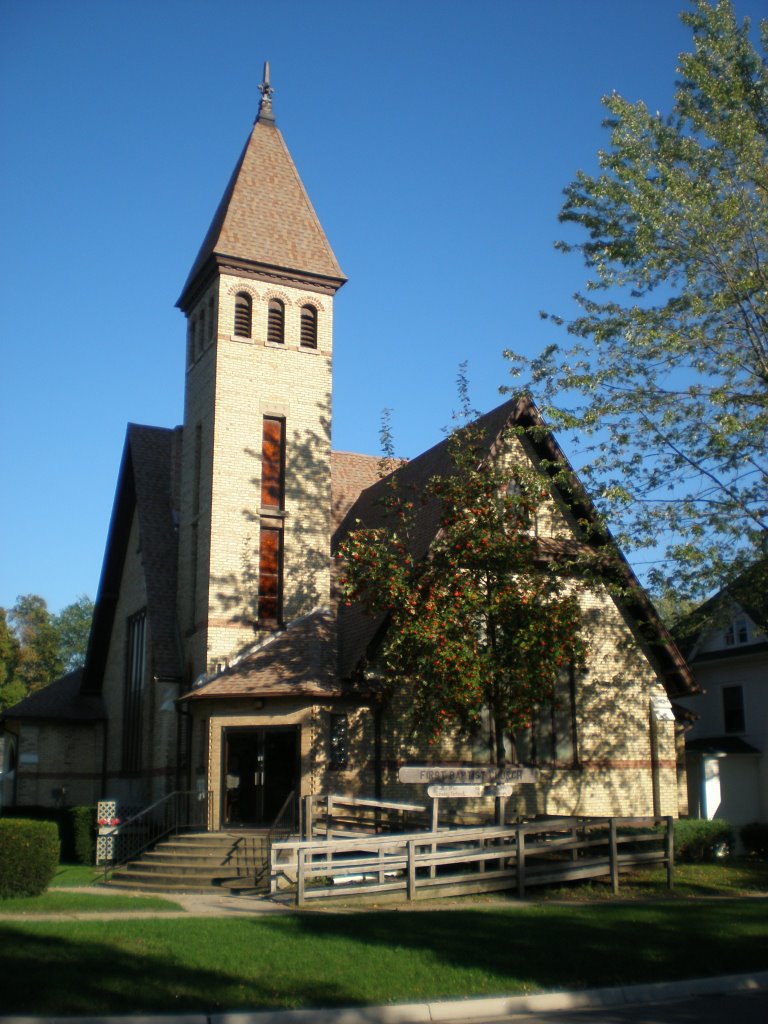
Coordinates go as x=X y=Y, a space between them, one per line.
x=458 y=861
x=329 y=815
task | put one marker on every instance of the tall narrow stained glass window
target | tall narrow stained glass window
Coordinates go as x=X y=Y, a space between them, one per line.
x=273 y=463
x=270 y=598
x=134 y=686
x=270 y=574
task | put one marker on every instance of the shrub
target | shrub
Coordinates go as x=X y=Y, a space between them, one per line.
x=82 y=821
x=755 y=838
x=698 y=839
x=77 y=829
x=29 y=856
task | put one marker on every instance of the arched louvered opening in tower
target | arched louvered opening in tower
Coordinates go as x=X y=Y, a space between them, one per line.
x=308 y=327
x=276 y=322
x=243 y=315
x=211 y=322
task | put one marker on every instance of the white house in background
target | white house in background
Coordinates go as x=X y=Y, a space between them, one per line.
x=726 y=644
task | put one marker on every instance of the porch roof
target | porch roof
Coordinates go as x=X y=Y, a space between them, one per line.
x=298 y=661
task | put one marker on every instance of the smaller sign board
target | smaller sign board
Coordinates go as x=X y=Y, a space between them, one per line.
x=456 y=791
x=505 y=789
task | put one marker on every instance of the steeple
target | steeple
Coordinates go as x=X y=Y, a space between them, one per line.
x=266 y=90
x=254 y=519
x=265 y=226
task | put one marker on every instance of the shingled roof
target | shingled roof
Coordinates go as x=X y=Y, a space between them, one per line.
x=265 y=224
x=359 y=633
x=298 y=661
x=60 y=701
x=145 y=487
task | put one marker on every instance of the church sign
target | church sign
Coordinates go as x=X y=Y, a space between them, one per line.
x=473 y=775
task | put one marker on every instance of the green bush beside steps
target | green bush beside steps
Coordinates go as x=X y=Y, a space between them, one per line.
x=29 y=856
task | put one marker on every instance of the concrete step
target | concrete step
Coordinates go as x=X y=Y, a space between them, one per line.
x=136 y=881
x=204 y=859
x=199 y=862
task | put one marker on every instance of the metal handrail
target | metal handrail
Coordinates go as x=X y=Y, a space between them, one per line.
x=166 y=816
x=285 y=821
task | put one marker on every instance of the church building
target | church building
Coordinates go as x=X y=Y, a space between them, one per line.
x=220 y=659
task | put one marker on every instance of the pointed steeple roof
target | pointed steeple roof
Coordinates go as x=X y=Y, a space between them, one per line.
x=265 y=225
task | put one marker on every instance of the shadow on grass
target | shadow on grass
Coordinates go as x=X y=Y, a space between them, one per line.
x=332 y=959
x=46 y=972
x=575 y=946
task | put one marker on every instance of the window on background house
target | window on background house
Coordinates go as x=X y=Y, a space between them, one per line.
x=339 y=734
x=276 y=322
x=243 y=315
x=134 y=685
x=733 y=709
x=737 y=631
x=308 y=327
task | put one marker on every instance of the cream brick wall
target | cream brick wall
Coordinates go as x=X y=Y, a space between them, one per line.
x=615 y=770
x=57 y=756
x=231 y=386
x=159 y=754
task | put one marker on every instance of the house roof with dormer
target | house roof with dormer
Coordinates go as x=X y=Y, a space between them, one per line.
x=747 y=592
x=265 y=226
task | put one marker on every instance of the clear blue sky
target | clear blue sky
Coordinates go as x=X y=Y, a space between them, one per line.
x=434 y=138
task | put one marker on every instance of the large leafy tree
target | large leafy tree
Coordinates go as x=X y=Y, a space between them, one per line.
x=666 y=384
x=11 y=689
x=37 y=646
x=74 y=626
x=483 y=625
x=40 y=661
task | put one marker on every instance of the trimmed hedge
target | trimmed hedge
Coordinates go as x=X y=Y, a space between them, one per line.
x=77 y=829
x=29 y=856
x=698 y=839
x=83 y=825
x=755 y=839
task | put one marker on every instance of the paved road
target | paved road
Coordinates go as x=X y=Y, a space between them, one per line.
x=742 y=1008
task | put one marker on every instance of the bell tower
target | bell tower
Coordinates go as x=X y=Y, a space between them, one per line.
x=254 y=529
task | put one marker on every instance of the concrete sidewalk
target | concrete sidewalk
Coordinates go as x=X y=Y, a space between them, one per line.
x=500 y=1008
x=215 y=904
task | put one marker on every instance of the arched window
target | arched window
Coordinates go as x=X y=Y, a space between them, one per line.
x=308 y=327
x=276 y=322
x=243 y=315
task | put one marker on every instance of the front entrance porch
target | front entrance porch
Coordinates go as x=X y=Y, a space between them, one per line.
x=260 y=768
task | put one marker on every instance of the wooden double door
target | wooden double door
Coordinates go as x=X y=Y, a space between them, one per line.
x=260 y=770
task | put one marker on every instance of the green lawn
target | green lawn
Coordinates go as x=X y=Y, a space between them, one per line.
x=735 y=877
x=331 y=958
x=75 y=874
x=61 y=900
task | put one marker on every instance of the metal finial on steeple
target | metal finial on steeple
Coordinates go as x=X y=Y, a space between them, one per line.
x=266 y=90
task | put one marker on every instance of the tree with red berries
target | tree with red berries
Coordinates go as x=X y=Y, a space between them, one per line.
x=485 y=623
